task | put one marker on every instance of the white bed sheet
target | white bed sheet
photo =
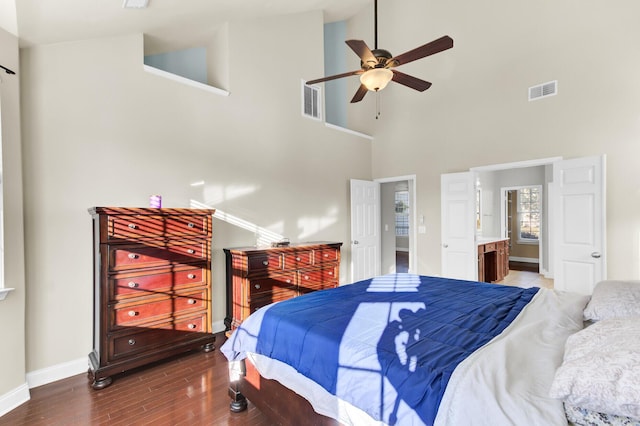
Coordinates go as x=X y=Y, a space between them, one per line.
x=506 y=382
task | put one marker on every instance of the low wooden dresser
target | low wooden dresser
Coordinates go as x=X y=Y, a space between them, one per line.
x=259 y=276
x=152 y=287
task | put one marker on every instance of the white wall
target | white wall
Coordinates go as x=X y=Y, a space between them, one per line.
x=99 y=131
x=477 y=113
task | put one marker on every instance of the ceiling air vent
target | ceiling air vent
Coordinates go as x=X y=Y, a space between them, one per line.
x=543 y=90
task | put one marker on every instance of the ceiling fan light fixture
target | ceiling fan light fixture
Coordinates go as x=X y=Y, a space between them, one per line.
x=376 y=79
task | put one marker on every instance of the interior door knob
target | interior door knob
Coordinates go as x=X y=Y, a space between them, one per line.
x=445 y=245
x=356 y=242
x=595 y=255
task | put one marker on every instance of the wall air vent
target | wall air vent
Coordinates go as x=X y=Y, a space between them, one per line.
x=543 y=90
x=135 y=4
x=311 y=102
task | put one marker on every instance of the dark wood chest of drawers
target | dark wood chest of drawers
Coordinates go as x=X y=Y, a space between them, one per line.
x=152 y=287
x=259 y=276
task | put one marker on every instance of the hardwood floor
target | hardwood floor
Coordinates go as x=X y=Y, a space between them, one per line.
x=185 y=390
x=402 y=261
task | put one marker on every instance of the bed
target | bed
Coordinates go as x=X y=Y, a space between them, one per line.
x=410 y=350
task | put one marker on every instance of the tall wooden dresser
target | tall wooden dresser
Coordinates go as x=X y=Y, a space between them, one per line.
x=259 y=276
x=152 y=287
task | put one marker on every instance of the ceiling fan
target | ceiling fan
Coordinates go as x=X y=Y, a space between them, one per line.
x=376 y=66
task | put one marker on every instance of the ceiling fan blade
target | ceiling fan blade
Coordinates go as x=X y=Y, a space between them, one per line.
x=363 y=52
x=436 y=46
x=362 y=90
x=333 y=77
x=409 y=81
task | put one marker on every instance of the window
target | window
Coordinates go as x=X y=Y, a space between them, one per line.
x=529 y=214
x=3 y=290
x=402 y=213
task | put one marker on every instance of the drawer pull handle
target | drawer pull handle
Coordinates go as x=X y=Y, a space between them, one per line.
x=191 y=251
x=132 y=342
x=132 y=226
x=191 y=276
x=191 y=326
x=133 y=256
x=297 y=259
x=191 y=225
x=326 y=255
x=133 y=284
x=133 y=313
x=257 y=286
x=289 y=281
x=191 y=301
x=330 y=273
x=265 y=262
x=306 y=277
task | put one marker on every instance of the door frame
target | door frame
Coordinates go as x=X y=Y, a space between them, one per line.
x=413 y=228
x=546 y=270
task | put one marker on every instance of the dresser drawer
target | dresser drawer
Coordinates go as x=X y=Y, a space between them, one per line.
x=257 y=301
x=489 y=247
x=151 y=338
x=327 y=254
x=122 y=257
x=124 y=315
x=264 y=263
x=134 y=227
x=298 y=259
x=318 y=279
x=138 y=284
x=272 y=284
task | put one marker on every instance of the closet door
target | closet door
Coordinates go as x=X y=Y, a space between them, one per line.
x=580 y=245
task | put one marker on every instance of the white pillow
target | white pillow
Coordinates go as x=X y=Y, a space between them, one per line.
x=601 y=368
x=613 y=299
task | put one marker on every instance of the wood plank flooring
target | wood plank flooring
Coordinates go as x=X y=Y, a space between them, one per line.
x=185 y=390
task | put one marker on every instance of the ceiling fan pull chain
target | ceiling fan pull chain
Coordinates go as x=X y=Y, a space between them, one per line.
x=377 y=104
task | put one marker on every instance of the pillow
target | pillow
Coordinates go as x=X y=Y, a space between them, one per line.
x=614 y=299
x=582 y=416
x=601 y=368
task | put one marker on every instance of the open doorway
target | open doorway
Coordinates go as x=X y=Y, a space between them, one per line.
x=397 y=224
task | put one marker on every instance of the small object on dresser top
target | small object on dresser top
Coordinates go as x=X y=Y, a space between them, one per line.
x=282 y=243
x=155 y=201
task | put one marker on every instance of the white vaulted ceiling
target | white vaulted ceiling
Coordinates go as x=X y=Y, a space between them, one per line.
x=168 y=22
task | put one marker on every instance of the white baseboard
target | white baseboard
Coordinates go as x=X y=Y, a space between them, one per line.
x=57 y=372
x=218 y=326
x=524 y=259
x=14 y=399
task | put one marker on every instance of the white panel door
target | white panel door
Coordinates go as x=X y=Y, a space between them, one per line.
x=458 y=252
x=365 y=229
x=579 y=225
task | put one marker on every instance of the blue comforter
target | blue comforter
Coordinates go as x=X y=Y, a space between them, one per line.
x=383 y=344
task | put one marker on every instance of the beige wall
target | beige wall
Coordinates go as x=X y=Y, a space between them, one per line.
x=12 y=309
x=477 y=113
x=98 y=130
